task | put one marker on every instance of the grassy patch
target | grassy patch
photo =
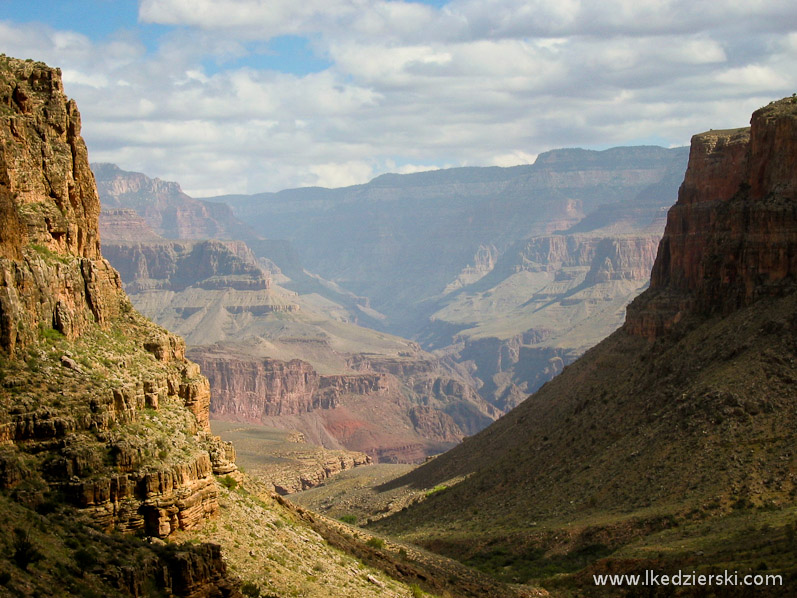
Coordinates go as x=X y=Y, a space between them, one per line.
x=436 y=490
x=534 y=563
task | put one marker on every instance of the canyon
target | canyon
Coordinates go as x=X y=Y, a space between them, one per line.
x=516 y=304
x=293 y=360
x=668 y=446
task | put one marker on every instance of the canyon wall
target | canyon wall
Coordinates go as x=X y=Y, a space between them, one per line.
x=166 y=209
x=394 y=409
x=734 y=187
x=403 y=240
x=546 y=301
x=83 y=374
x=176 y=265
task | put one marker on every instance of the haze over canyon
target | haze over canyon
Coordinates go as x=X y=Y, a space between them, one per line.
x=499 y=276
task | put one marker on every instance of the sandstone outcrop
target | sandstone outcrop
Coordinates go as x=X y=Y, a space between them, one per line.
x=729 y=239
x=90 y=388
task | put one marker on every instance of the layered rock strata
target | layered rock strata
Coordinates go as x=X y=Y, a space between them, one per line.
x=391 y=408
x=251 y=390
x=88 y=383
x=166 y=209
x=730 y=237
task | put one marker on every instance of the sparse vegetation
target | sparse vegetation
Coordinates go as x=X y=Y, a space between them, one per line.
x=436 y=490
x=25 y=552
x=375 y=542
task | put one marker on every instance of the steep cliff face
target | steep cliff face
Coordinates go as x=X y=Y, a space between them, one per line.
x=563 y=248
x=177 y=265
x=123 y=224
x=83 y=374
x=48 y=190
x=49 y=209
x=730 y=237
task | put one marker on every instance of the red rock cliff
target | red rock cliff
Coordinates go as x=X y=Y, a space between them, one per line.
x=732 y=236
x=249 y=390
x=86 y=379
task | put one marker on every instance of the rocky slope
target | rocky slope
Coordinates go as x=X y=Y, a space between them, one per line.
x=284 y=460
x=90 y=388
x=684 y=417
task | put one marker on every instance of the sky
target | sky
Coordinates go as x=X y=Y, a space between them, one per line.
x=246 y=96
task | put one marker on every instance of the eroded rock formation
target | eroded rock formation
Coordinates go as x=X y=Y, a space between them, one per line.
x=730 y=237
x=395 y=409
x=166 y=209
x=96 y=401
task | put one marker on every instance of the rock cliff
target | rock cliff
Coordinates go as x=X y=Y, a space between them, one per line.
x=123 y=224
x=177 y=265
x=66 y=327
x=730 y=237
x=283 y=459
x=394 y=409
x=546 y=301
x=166 y=209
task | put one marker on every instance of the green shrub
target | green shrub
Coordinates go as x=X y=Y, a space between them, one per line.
x=229 y=482
x=250 y=589
x=25 y=552
x=85 y=559
x=50 y=334
x=436 y=490
x=376 y=542
x=351 y=519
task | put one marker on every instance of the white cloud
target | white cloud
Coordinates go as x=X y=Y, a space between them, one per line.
x=476 y=82
x=513 y=159
x=341 y=174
